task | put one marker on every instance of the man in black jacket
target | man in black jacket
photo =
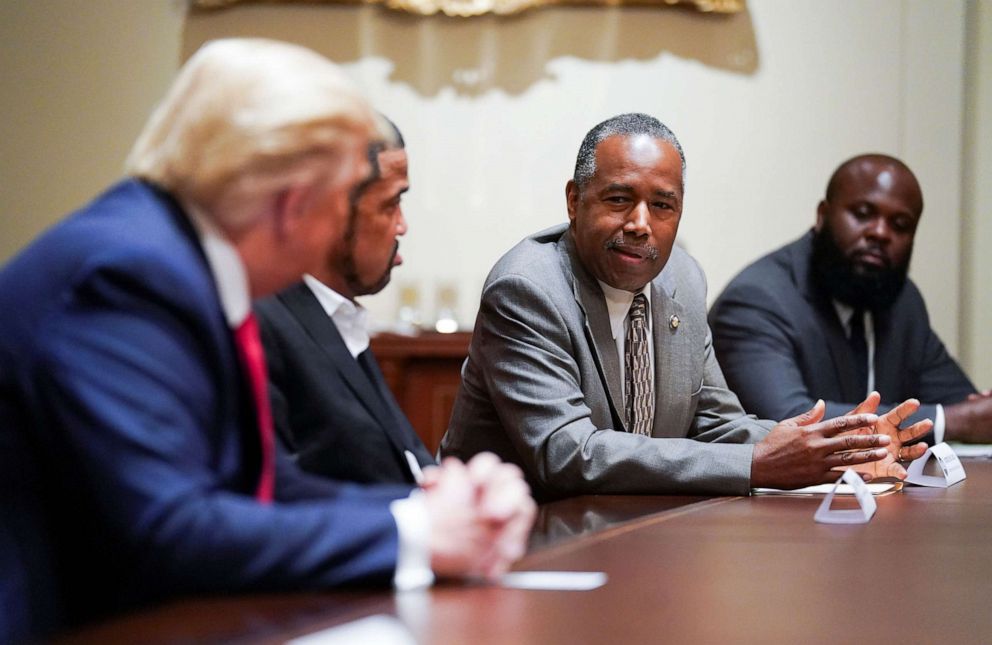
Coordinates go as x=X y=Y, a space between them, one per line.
x=833 y=315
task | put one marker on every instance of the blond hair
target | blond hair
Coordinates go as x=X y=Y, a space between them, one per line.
x=246 y=118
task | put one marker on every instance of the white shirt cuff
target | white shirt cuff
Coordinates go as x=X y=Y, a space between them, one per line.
x=938 y=425
x=413 y=561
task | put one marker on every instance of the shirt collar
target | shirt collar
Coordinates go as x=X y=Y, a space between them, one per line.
x=226 y=267
x=844 y=313
x=618 y=303
x=350 y=318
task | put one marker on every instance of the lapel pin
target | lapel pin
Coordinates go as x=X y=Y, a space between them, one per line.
x=674 y=322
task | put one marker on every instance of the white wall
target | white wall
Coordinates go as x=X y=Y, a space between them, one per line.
x=976 y=319
x=766 y=102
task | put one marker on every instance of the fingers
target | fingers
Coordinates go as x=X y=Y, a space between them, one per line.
x=869 y=405
x=811 y=416
x=896 y=471
x=432 y=474
x=505 y=496
x=855 y=457
x=451 y=481
x=915 y=431
x=909 y=453
x=838 y=425
x=481 y=468
x=856 y=442
x=504 y=502
x=901 y=412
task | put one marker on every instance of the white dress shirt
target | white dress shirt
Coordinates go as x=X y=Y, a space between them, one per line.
x=350 y=318
x=618 y=303
x=410 y=514
x=844 y=313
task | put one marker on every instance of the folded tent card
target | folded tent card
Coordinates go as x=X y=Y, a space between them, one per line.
x=866 y=505
x=950 y=470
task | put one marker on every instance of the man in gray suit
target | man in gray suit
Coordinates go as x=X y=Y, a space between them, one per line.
x=591 y=364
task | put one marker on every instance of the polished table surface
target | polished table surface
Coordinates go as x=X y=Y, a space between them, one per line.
x=681 y=569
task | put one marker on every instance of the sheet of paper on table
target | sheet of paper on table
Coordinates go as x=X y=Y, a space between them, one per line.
x=381 y=629
x=553 y=580
x=823 y=489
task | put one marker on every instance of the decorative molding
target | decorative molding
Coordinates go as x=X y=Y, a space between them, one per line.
x=468 y=8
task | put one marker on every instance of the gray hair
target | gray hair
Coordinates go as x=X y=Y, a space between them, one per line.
x=625 y=125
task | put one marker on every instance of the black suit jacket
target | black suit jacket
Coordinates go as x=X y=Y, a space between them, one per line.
x=339 y=422
x=782 y=346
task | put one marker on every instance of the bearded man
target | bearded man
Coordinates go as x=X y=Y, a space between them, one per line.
x=834 y=316
x=331 y=405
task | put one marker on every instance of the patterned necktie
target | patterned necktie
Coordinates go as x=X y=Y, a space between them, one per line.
x=637 y=359
x=249 y=343
x=859 y=351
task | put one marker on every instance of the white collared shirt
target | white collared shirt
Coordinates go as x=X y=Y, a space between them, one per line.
x=618 y=303
x=226 y=267
x=410 y=514
x=844 y=313
x=350 y=318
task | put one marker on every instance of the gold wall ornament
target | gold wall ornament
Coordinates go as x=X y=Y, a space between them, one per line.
x=468 y=8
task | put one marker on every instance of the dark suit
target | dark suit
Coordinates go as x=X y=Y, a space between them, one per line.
x=541 y=385
x=781 y=345
x=337 y=416
x=128 y=444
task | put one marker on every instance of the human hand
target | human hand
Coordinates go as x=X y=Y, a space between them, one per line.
x=803 y=450
x=971 y=420
x=481 y=514
x=888 y=424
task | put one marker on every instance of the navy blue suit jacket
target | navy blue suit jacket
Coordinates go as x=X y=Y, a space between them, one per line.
x=339 y=420
x=128 y=444
x=782 y=346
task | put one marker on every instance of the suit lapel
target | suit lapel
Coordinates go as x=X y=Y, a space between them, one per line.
x=238 y=398
x=304 y=306
x=590 y=299
x=838 y=348
x=671 y=346
x=400 y=432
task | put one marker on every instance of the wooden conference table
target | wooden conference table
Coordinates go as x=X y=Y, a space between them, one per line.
x=681 y=570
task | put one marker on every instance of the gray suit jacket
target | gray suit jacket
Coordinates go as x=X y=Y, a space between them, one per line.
x=541 y=385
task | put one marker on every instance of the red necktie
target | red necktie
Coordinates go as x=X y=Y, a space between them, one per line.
x=253 y=360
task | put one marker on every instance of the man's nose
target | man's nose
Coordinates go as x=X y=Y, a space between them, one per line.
x=637 y=220
x=879 y=229
x=401 y=225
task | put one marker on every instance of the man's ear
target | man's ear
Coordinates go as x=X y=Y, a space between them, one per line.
x=289 y=209
x=821 y=214
x=572 y=199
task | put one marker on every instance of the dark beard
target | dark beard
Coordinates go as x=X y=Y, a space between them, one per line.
x=355 y=283
x=855 y=285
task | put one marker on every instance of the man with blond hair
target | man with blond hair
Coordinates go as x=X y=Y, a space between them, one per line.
x=137 y=461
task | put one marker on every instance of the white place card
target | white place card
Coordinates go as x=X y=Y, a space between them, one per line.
x=862 y=494
x=951 y=469
x=553 y=580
